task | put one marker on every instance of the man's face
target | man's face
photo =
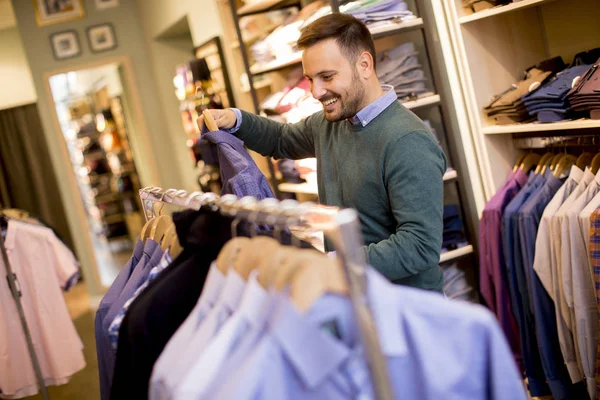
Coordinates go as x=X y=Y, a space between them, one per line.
x=334 y=80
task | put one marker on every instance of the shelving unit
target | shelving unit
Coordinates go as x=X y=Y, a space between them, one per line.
x=582 y=124
x=490 y=12
x=265 y=6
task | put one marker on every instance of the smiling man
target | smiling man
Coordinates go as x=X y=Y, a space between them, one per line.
x=373 y=154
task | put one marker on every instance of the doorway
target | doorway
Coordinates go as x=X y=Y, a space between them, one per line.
x=91 y=106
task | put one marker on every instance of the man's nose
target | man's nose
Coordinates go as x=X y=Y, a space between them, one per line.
x=317 y=90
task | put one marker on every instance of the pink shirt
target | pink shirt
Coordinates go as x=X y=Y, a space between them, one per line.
x=43 y=265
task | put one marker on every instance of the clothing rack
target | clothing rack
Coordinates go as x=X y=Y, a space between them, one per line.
x=15 y=290
x=340 y=226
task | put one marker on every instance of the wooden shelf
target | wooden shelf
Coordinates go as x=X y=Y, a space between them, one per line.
x=255 y=36
x=259 y=85
x=454 y=254
x=307 y=188
x=541 y=127
x=274 y=66
x=422 y=102
x=490 y=12
x=393 y=29
x=265 y=6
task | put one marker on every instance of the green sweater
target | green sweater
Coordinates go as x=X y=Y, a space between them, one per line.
x=390 y=171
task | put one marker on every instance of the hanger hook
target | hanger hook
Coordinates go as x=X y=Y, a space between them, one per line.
x=165 y=193
x=191 y=197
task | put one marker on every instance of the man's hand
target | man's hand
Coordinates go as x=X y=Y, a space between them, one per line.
x=225 y=119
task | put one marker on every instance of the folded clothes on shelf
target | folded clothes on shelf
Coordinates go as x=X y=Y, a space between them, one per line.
x=370 y=11
x=584 y=97
x=400 y=68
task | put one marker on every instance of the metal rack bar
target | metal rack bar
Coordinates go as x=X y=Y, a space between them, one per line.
x=11 y=278
x=341 y=226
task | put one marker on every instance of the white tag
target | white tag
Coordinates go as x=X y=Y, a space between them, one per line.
x=534 y=86
x=575 y=81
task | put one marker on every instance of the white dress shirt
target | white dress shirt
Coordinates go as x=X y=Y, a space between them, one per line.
x=580 y=291
x=167 y=366
x=208 y=363
x=563 y=315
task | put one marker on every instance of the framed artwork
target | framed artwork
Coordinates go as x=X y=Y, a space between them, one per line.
x=65 y=44
x=104 y=4
x=101 y=37
x=55 y=11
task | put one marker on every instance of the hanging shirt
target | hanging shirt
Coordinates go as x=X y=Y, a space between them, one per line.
x=42 y=268
x=518 y=288
x=543 y=311
x=113 y=330
x=579 y=285
x=595 y=260
x=318 y=355
x=545 y=263
x=208 y=363
x=168 y=366
x=156 y=314
x=492 y=276
x=111 y=295
x=239 y=173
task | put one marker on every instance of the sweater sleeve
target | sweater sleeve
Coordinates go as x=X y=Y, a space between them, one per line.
x=277 y=140
x=413 y=175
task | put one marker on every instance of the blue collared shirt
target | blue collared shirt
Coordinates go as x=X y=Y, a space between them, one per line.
x=363 y=117
x=318 y=355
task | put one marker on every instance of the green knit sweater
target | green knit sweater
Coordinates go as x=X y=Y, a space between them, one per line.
x=390 y=171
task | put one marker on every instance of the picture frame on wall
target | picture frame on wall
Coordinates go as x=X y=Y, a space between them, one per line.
x=56 y=11
x=104 y=4
x=65 y=44
x=101 y=37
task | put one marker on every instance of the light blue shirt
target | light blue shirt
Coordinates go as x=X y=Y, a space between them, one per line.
x=363 y=117
x=435 y=348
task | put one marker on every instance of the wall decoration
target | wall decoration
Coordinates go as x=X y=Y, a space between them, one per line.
x=54 y=11
x=104 y=4
x=101 y=37
x=65 y=44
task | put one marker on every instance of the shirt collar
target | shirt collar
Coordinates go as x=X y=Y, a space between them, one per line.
x=212 y=286
x=295 y=332
x=576 y=173
x=253 y=301
x=370 y=112
x=597 y=177
x=554 y=183
x=138 y=251
x=233 y=288
x=157 y=255
x=520 y=177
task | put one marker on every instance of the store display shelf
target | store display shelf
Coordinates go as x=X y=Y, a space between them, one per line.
x=490 y=12
x=311 y=188
x=255 y=36
x=391 y=29
x=422 y=102
x=259 y=85
x=540 y=127
x=454 y=254
x=274 y=65
x=265 y=6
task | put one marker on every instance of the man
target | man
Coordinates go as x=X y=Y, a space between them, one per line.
x=373 y=154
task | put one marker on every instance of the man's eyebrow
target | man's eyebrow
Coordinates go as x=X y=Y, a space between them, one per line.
x=321 y=73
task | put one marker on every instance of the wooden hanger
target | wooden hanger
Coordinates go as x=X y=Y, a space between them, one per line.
x=145 y=233
x=282 y=276
x=519 y=161
x=584 y=160
x=310 y=283
x=595 y=165
x=230 y=253
x=564 y=164
x=267 y=266
x=209 y=121
x=253 y=254
x=553 y=163
x=160 y=227
x=171 y=243
x=545 y=160
x=530 y=161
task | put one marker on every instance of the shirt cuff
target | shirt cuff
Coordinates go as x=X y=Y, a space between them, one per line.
x=238 y=123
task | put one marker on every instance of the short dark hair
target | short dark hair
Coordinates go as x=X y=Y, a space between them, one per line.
x=351 y=34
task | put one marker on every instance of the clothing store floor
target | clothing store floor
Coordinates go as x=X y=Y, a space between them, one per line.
x=83 y=385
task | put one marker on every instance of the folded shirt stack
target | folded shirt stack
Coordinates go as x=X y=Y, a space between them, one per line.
x=548 y=103
x=378 y=12
x=508 y=107
x=585 y=95
x=480 y=5
x=400 y=68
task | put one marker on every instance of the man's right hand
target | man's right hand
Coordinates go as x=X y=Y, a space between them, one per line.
x=225 y=119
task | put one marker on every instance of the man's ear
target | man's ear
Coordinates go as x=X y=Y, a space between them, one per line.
x=365 y=64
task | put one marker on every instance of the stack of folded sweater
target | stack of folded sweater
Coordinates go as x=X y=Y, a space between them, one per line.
x=585 y=95
x=400 y=68
x=548 y=103
x=508 y=107
x=379 y=11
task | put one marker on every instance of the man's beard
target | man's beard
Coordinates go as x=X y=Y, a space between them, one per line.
x=352 y=104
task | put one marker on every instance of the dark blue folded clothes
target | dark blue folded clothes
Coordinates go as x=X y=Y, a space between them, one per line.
x=453 y=233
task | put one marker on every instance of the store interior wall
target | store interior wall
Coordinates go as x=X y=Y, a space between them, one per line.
x=154 y=154
x=15 y=76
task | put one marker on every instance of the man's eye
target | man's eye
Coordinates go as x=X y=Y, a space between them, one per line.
x=327 y=77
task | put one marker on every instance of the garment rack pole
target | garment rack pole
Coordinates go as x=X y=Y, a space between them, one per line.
x=16 y=293
x=341 y=226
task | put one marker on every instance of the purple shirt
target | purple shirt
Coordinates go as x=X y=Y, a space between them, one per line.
x=239 y=173
x=492 y=281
